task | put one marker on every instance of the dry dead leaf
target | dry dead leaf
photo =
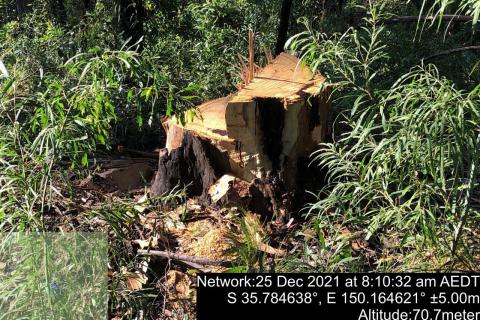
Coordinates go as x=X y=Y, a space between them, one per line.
x=135 y=281
x=355 y=239
x=180 y=282
x=384 y=260
x=143 y=199
x=191 y=206
x=270 y=250
x=256 y=230
x=139 y=208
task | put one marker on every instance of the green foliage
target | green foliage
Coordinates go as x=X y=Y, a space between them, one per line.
x=440 y=7
x=53 y=275
x=73 y=84
x=201 y=41
x=404 y=166
x=61 y=101
x=245 y=246
x=70 y=118
x=403 y=172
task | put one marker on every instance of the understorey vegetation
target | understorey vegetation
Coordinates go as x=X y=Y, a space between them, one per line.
x=83 y=81
x=403 y=165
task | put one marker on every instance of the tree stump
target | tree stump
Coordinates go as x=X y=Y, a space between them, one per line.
x=257 y=135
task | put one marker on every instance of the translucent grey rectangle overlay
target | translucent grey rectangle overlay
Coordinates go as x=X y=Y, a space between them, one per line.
x=53 y=275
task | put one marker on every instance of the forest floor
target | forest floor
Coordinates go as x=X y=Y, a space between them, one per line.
x=115 y=200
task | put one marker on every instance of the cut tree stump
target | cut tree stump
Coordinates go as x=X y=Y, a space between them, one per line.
x=257 y=135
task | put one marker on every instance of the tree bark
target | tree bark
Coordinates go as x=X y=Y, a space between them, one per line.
x=341 y=4
x=199 y=163
x=285 y=13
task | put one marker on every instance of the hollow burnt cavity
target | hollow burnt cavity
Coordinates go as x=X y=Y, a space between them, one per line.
x=272 y=121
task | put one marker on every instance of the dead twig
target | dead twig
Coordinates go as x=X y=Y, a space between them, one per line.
x=451 y=51
x=185 y=258
x=407 y=19
x=195 y=266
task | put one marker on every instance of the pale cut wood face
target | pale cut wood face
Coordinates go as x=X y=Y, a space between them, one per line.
x=235 y=124
x=285 y=78
x=209 y=121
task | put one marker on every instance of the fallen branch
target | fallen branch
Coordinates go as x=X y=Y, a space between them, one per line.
x=451 y=51
x=195 y=266
x=185 y=258
x=152 y=155
x=408 y=19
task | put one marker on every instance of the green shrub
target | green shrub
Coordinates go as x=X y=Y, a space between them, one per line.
x=404 y=167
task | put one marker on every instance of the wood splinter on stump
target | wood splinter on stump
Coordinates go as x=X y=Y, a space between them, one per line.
x=257 y=135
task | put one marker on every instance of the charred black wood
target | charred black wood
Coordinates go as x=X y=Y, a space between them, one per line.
x=193 y=164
